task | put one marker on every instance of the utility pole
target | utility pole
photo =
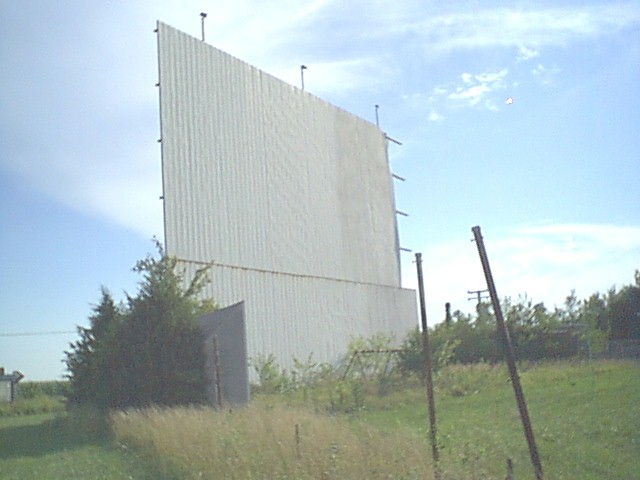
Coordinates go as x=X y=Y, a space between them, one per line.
x=427 y=371
x=511 y=357
x=479 y=294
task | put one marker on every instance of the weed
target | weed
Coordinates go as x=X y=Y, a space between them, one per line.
x=257 y=442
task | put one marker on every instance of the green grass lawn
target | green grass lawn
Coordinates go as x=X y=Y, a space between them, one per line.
x=586 y=420
x=46 y=446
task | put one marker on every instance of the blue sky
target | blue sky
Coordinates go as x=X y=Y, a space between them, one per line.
x=552 y=178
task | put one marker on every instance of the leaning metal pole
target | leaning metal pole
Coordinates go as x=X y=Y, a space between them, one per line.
x=511 y=358
x=426 y=351
x=216 y=363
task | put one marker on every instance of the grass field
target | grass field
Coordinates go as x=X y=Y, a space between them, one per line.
x=586 y=418
x=46 y=446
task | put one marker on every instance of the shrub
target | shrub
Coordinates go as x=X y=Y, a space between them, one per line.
x=148 y=351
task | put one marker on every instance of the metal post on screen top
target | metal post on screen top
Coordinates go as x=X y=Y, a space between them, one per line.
x=302 y=69
x=203 y=16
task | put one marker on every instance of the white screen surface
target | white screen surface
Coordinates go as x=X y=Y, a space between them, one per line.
x=290 y=196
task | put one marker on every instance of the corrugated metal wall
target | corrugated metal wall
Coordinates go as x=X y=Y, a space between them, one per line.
x=289 y=195
x=290 y=315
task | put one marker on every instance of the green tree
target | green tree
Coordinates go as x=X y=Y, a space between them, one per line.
x=593 y=314
x=623 y=311
x=150 y=350
x=575 y=329
x=88 y=360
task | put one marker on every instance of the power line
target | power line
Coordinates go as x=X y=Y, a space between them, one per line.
x=36 y=334
x=479 y=293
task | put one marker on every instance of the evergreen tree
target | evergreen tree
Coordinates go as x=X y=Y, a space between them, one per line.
x=88 y=360
x=149 y=352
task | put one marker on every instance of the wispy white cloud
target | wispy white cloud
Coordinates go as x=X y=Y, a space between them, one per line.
x=545 y=262
x=525 y=53
x=437 y=93
x=435 y=116
x=538 y=69
x=476 y=87
x=515 y=27
x=527 y=30
x=546 y=76
x=474 y=94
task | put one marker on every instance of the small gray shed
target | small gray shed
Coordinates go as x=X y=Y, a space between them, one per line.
x=225 y=349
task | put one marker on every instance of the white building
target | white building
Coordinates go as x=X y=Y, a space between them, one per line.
x=290 y=197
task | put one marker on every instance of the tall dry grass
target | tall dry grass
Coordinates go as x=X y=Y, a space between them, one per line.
x=261 y=443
